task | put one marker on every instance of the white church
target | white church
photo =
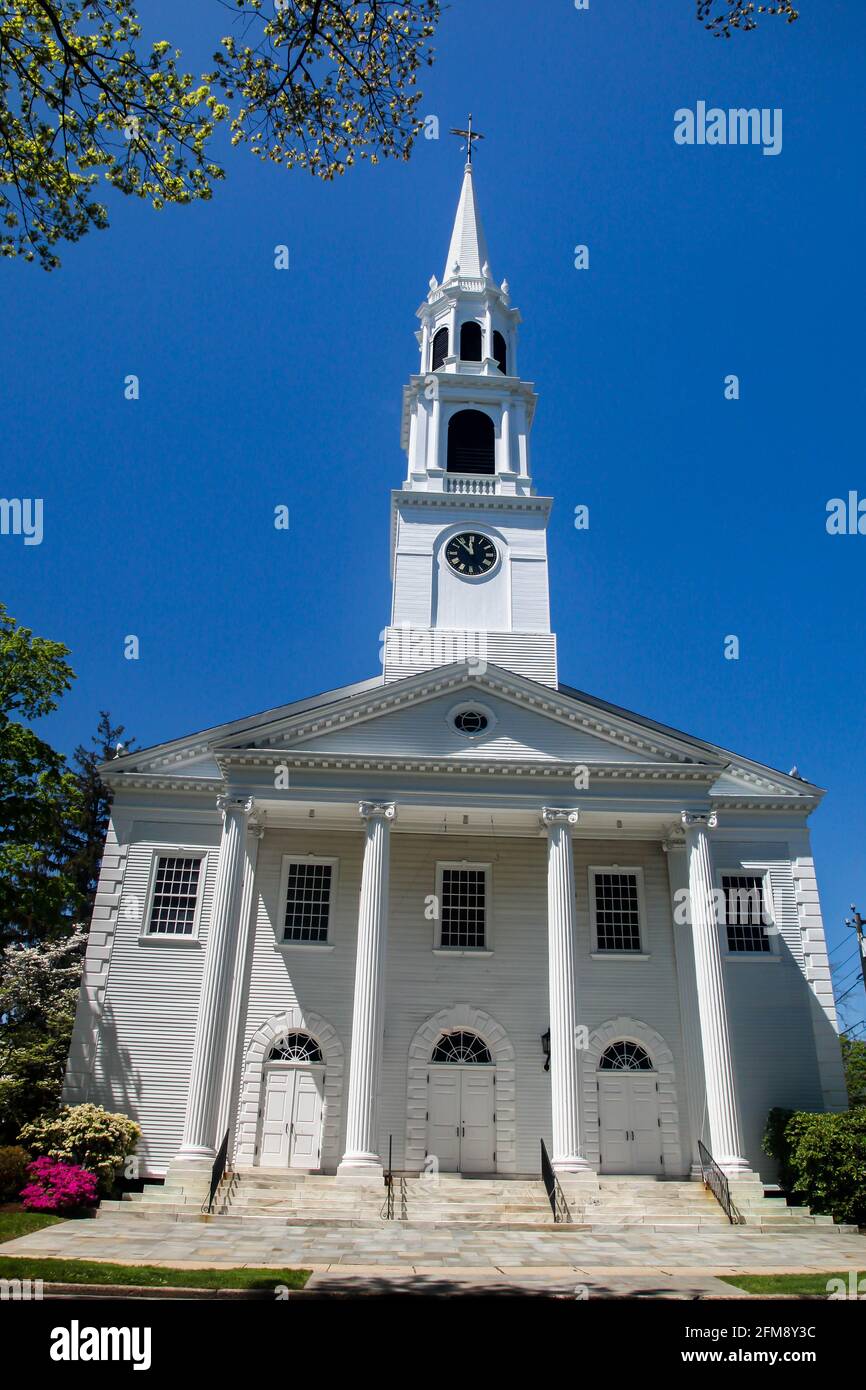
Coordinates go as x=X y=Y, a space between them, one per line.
x=430 y=919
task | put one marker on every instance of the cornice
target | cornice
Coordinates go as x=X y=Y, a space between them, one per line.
x=480 y=501
x=492 y=767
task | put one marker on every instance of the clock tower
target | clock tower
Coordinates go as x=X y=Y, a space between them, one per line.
x=468 y=532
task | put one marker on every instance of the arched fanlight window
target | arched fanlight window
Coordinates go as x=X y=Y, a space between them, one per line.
x=462 y=1048
x=296 y=1047
x=471 y=443
x=625 y=1056
x=440 y=347
x=470 y=341
x=500 y=352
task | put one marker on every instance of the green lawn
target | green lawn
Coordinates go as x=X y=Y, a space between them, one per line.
x=786 y=1283
x=15 y=1221
x=97 y=1272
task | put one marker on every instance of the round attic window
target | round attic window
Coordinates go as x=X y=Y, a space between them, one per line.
x=471 y=720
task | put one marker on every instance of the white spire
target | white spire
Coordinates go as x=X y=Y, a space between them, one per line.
x=468 y=248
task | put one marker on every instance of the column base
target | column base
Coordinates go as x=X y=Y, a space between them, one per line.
x=736 y=1167
x=362 y=1170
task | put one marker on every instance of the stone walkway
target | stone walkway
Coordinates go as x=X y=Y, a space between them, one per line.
x=353 y=1259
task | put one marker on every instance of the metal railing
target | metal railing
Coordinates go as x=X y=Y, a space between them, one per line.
x=216 y=1176
x=555 y=1194
x=718 y=1184
x=387 y=1209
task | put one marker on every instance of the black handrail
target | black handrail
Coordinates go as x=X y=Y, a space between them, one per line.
x=718 y=1184
x=555 y=1194
x=387 y=1211
x=216 y=1176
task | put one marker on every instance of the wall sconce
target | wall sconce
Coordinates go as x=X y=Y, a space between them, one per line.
x=545 y=1047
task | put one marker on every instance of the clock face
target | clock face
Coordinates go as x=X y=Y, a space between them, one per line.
x=470 y=553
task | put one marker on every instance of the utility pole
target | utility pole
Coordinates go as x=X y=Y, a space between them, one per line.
x=858 y=923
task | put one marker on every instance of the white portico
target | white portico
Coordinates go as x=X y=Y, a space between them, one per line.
x=446 y=913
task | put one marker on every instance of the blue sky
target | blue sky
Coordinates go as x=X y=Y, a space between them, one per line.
x=261 y=387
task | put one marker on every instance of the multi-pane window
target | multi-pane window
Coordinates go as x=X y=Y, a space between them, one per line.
x=175 y=895
x=308 y=902
x=464 y=908
x=617 y=910
x=745 y=915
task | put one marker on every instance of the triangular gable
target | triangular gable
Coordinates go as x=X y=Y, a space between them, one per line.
x=411 y=718
x=424 y=729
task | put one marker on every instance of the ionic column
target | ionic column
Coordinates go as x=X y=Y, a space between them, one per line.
x=684 y=951
x=199 y=1133
x=721 y=1094
x=240 y=968
x=361 y=1158
x=564 y=1072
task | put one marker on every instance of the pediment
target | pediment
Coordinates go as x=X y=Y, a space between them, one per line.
x=414 y=718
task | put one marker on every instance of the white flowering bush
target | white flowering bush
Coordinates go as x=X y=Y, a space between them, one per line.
x=87 y=1135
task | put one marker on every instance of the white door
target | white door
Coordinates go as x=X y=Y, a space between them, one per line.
x=460 y=1127
x=292 y=1117
x=629 y=1132
x=476 y=1120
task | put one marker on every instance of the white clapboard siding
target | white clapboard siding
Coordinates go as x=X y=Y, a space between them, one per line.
x=146 y=1036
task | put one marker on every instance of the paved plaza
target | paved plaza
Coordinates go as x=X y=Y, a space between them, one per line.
x=446 y=1259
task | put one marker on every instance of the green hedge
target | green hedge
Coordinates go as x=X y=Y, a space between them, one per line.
x=822 y=1158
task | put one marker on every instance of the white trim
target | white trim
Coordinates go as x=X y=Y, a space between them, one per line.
x=305 y=858
x=174 y=852
x=487 y=948
x=625 y=1029
x=599 y=952
x=253 y=1081
x=464 y=1016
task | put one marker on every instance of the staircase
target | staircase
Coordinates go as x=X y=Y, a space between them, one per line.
x=260 y=1195
x=662 y=1205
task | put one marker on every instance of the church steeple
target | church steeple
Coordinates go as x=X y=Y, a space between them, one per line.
x=467 y=252
x=469 y=533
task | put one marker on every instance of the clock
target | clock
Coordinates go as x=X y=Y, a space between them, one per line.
x=471 y=553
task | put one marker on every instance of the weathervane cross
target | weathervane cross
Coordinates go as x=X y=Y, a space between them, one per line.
x=468 y=135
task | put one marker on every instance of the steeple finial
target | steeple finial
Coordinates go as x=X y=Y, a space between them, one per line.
x=468 y=135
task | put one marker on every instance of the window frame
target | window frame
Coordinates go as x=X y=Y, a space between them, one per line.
x=289 y=858
x=761 y=871
x=600 y=952
x=479 y=951
x=193 y=937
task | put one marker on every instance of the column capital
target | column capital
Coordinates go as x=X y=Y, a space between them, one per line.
x=674 y=840
x=372 y=810
x=226 y=802
x=699 y=820
x=559 y=815
x=258 y=817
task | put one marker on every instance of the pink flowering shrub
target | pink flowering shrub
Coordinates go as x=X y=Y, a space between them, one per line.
x=58 y=1186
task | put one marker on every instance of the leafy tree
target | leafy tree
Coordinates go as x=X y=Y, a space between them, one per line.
x=740 y=14
x=38 y=996
x=854 y=1059
x=82 y=97
x=39 y=796
x=89 y=824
